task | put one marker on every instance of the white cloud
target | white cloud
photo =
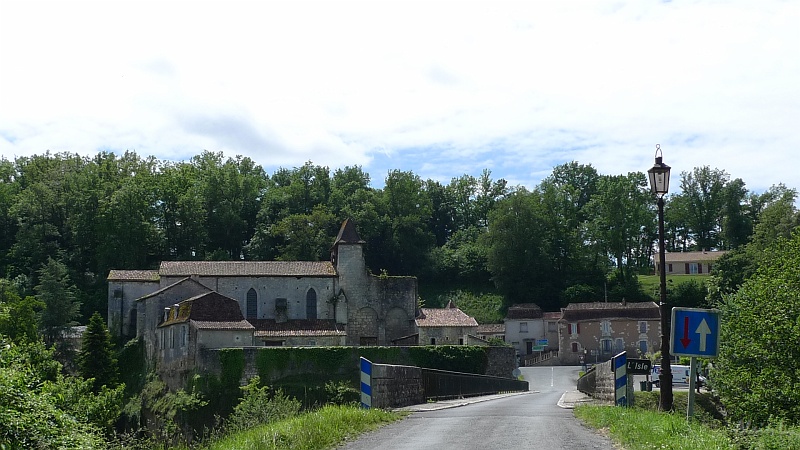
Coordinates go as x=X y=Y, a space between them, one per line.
x=439 y=88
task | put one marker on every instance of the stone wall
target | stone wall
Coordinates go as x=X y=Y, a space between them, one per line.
x=396 y=386
x=598 y=382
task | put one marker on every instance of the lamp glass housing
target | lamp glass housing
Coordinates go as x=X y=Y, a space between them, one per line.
x=659 y=177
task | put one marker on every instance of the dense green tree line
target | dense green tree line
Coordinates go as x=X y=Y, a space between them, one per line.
x=573 y=237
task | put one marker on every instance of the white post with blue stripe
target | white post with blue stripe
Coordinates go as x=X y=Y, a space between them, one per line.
x=620 y=365
x=366 y=383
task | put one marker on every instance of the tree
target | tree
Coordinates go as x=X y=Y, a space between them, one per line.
x=621 y=220
x=96 y=359
x=57 y=293
x=405 y=240
x=520 y=256
x=756 y=371
x=703 y=190
x=19 y=321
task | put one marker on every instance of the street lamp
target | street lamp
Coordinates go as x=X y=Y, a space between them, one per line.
x=659 y=183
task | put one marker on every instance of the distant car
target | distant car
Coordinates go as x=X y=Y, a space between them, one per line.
x=680 y=376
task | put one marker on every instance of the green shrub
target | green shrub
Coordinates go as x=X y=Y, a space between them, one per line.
x=260 y=406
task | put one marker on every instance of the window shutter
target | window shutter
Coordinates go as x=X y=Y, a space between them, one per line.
x=699 y=267
x=578 y=327
x=687 y=268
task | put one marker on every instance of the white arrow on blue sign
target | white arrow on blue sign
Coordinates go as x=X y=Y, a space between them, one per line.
x=695 y=332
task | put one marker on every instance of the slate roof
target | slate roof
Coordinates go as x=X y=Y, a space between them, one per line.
x=133 y=275
x=348 y=234
x=207 y=307
x=302 y=327
x=524 y=311
x=692 y=256
x=449 y=316
x=575 y=312
x=248 y=268
x=166 y=288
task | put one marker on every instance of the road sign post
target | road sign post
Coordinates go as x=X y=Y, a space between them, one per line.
x=694 y=333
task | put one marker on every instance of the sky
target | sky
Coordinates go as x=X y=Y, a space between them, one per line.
x=439 y=88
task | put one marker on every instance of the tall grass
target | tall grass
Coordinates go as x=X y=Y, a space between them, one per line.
x=317 y=430
x=636 y=428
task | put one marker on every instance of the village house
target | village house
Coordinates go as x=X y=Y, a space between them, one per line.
x=446 y=326
x=689 y=263
x=524 y=324
x=594 y=332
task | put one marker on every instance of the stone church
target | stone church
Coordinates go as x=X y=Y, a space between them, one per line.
x=188 y=304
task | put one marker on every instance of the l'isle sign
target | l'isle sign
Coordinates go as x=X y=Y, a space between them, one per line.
x=695 y=332
x=639 y=366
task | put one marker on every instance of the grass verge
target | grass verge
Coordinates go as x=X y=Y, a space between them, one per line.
x=317 y=430
x=637 y=428
x=643 y=427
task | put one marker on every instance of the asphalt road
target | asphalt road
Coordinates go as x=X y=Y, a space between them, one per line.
x=528 y=421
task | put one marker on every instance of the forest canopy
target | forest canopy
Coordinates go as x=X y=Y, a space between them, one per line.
x=578 y=235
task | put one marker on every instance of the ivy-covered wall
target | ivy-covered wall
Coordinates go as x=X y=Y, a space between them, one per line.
x=285 y=365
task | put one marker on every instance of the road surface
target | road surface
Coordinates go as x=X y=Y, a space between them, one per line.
x=528 y=421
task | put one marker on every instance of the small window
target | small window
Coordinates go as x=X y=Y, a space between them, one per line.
x=670 y=268
x=433 y=341
x=642 y=327
x=184 y=338
x=460 y=341
x=605 y=327
x=619 y=345
x=606 y=345
x=117 y=293
x=574 y=328
x=523 y=327
x=574 y=347
x=552 y=327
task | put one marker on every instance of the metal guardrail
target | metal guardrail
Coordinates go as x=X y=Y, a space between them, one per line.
x=442 y=384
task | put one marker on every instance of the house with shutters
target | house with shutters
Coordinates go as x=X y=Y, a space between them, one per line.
x=292 y=303
x=689 y=263
x=524 y=328
x=594 y=332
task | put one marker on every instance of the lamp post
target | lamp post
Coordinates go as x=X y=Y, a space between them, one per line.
x=659 y=183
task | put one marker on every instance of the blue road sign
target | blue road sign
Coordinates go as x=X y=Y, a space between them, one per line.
x=695 y=332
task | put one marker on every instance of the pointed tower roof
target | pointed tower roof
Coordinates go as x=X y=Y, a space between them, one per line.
x=348 y=234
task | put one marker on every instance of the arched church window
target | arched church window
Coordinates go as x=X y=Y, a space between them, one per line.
x=311 y=304
x=252 y=304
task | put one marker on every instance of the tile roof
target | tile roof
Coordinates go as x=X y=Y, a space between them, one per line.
x=133 y=275
x=248 y=268
x=492 y=328
x=608 y=310
x=444 y=317
x=207 y=307
x=551 y=315
x=692 y=256
x=303 y=327
x=524 y=311
x=214 y=325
